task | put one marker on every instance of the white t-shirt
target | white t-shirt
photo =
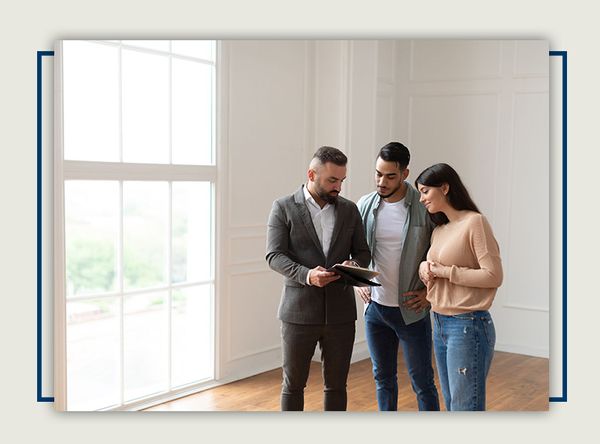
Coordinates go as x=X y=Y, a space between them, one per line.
x=389 y=239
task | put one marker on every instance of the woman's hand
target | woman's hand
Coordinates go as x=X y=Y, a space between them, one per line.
x=439 y=270
x=425 y=273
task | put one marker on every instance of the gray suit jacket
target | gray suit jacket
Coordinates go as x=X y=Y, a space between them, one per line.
x=293 y=248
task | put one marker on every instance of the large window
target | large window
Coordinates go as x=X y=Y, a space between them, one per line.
x=134 y=225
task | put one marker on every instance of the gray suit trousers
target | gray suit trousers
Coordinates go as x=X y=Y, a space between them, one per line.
x=299 y=341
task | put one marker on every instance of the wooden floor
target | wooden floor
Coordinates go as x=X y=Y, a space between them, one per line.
x=515 y=383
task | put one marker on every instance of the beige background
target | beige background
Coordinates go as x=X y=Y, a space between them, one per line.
x=28 y=27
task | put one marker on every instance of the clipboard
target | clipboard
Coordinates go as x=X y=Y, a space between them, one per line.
x=355 y=276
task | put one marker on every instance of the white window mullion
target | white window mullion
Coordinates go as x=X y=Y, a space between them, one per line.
x=120 y=274
x=120 y=103
x=85 y=170
x=170 y=105
x=213 y=277
x=169 y=232
x=121 y=263
x=170 y=292
x=213 y=131
x=125 y=293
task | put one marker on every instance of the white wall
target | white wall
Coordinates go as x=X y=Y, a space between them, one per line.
x=480 y=105
x=483 y=107
x=266 y=111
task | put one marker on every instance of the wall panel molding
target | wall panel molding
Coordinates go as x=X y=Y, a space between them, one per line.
x=530 y=59
x=443 y=60
x=512 y=152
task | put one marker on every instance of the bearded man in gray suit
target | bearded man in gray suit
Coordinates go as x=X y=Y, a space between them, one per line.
x=308 y=232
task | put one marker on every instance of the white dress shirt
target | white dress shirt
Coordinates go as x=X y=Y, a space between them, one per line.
x=323 y=220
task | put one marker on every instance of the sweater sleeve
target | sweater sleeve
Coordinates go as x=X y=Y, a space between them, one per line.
x=484 y=246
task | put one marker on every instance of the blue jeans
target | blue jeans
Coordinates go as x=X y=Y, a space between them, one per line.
x=464 y=347
x=385 y=330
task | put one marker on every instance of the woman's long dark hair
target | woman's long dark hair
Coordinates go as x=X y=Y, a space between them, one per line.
x=458 y=196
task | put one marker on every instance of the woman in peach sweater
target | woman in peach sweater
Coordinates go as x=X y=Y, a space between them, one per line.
x=462 y=272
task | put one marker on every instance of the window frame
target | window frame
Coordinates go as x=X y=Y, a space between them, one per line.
x=64 y=170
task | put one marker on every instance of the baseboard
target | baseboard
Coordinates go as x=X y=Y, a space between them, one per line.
x=520 y=350
x=250 y=365
x=360 y=352
x=257 y=363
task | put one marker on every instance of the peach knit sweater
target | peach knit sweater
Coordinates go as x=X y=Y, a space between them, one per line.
x=467 y=246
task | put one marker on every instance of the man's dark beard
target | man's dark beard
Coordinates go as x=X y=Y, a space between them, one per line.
x=324 y=195
x=327 y=197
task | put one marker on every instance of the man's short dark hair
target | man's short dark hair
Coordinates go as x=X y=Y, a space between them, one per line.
x=330 y=154
x=395 y=152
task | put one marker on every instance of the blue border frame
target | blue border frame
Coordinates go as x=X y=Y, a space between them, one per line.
x=41 y=398
x=563 y=397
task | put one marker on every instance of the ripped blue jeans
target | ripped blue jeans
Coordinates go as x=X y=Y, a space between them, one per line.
x=464 y=347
